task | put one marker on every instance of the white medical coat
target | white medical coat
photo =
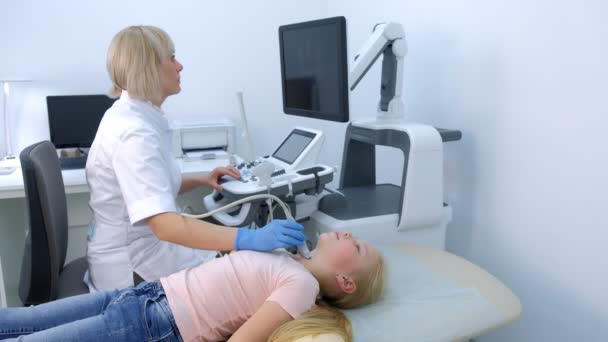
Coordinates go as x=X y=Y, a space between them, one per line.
x=132 y=175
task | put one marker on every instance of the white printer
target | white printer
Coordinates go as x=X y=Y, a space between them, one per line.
x=204 y=138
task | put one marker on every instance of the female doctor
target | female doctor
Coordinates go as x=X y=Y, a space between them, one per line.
x=134 y=179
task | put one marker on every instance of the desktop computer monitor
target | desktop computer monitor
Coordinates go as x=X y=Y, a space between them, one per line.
x=73 y=119
x=314 y=71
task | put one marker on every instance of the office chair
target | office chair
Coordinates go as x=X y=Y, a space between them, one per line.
x=44 y=277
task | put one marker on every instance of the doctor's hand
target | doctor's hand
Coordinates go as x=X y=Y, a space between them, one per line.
x=276 y=234
x=214 y=177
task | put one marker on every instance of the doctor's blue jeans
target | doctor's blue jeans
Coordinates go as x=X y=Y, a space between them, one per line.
x=139 y=313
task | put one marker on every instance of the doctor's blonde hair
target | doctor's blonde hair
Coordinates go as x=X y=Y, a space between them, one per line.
x=134 y=61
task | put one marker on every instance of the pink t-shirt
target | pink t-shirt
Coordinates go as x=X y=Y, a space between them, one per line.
x=211 y=301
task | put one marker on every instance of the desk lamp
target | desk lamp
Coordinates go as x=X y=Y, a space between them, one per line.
x=9 y=162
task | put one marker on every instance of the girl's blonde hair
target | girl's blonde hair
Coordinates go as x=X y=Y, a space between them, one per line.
x=321 y=319
x=370 y=286
x=134 y=61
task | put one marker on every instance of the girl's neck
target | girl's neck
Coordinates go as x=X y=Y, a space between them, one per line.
x=320 y=272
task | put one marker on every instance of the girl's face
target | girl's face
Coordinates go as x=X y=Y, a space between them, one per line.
x=344 y=254
x=170 y=83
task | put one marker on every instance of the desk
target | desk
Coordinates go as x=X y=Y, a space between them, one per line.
x=11 y=185
x=14 y=220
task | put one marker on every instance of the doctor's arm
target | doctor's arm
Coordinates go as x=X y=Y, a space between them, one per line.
x=209 y=180
x=192 y=233
x=261 y=325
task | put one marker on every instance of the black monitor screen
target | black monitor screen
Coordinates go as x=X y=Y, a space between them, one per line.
x=314 y=69
x=73 y=120
x=293 y=146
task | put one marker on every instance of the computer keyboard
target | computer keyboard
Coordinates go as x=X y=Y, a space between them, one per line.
x=70 y=163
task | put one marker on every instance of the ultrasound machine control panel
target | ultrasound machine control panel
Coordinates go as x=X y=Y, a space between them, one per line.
x=289 y=171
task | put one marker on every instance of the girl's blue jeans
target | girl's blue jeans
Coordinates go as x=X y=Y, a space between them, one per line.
x=139 y=313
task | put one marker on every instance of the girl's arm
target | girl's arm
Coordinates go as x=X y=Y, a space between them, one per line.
x=261 y=325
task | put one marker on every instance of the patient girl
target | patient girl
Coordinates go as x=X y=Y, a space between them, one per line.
x=243 y=296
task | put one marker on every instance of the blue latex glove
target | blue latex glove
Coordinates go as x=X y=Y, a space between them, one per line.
x=276 y=234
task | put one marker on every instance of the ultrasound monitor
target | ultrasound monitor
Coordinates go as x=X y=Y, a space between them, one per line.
x=295 y=143
x=73 y=119
x=314 y=72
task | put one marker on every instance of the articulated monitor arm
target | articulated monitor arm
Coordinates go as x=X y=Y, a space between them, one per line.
x=387 y=39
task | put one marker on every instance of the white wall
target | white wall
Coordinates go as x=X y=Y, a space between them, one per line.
x=526 y=82
x=224 y=46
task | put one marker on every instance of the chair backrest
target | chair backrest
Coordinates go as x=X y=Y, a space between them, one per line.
x=46 y=243
x=2 y=291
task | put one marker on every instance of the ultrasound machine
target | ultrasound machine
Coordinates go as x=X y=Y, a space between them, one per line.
x=291 y=170
x=313 y=88
x=315 y=83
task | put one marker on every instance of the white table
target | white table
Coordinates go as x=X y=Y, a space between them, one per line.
x=11 y=185
x=14 y=220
